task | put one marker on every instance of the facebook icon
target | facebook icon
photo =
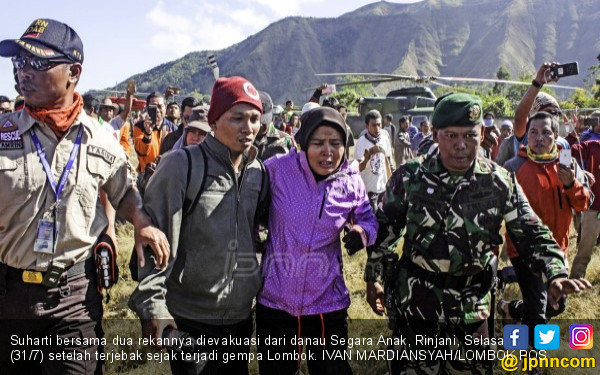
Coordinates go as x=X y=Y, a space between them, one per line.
x=516 y=337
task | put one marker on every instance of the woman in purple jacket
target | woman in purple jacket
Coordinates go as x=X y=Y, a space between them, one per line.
x=315 y=194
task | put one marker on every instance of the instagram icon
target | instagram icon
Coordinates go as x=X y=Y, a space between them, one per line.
x=581 y=336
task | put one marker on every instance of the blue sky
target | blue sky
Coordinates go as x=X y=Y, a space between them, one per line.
x=124 y=37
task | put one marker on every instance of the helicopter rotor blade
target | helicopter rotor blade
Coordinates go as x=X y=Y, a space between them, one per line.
x=384 y=75
x=367 y=81
x=501 y=81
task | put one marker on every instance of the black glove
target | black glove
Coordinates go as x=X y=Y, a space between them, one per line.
x=354 y=239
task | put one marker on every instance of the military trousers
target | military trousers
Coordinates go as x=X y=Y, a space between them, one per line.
x=440 y=347
x=443 y=328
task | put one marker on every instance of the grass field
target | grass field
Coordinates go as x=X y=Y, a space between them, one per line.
x=122 y=322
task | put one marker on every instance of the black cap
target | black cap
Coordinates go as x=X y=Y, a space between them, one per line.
x=190 y=101
x=46 y=38
x=267 y=105
x=4 y=99
x=316 y=117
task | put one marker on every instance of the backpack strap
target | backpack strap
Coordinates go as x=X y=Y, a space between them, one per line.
x=192 y=190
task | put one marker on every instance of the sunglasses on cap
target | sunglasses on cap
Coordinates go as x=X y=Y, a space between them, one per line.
x=38 y=63
x=553 y=111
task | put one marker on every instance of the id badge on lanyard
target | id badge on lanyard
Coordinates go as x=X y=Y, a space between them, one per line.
x=47 y=230
x=48 y=227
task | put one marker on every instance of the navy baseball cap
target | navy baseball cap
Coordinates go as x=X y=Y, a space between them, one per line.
x=48 y=39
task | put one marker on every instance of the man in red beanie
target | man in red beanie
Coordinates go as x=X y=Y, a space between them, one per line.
x=219 y=192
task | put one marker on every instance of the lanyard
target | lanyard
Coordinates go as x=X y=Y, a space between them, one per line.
x=63 y=178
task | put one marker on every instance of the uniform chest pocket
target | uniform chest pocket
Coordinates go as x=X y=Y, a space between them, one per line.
x=12 y=173
x=424 y=219
x=98 y=168
x=482 y=222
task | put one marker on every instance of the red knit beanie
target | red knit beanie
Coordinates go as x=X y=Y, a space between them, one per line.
x=229 y=91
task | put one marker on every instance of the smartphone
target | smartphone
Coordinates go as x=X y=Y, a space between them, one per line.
x=590 y=121
x=565 y=157
x=152 y=113
x=328 y=90
x=563 y=70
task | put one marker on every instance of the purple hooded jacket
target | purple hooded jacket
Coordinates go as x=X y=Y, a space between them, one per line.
x=302 y=264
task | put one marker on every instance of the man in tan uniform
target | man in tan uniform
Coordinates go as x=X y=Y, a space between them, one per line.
x=54 y=160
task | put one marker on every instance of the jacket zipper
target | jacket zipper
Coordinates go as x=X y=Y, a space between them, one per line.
x=238 y=186
x=323 y=202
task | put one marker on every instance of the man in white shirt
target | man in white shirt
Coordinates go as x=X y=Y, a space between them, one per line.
x=373 y=151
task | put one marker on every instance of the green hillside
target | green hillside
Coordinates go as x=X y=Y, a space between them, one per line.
x=433 y=37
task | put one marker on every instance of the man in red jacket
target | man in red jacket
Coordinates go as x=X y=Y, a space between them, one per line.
x=553 y=190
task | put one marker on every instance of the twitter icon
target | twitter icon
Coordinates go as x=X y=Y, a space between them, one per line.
x=547 y=337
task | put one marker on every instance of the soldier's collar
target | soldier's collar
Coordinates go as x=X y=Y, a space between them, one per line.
x=482 y=166
x=434 y=165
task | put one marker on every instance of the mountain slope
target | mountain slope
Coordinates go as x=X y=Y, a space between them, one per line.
x=433 y=37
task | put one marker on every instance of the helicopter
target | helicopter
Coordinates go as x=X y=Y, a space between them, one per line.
x=416 y=100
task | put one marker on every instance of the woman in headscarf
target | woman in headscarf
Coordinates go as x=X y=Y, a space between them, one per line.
x=315 y=195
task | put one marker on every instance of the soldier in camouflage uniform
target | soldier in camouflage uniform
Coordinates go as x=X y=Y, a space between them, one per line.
x=270 y=141
x=451 y=205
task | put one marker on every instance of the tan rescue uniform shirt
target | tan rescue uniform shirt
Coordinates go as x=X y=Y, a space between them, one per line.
x=27 y=194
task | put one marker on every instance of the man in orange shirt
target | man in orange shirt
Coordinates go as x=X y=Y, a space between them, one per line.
x=149 y=133
x=553 y=190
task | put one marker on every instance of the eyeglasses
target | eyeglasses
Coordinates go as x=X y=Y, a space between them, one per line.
x=38 y=63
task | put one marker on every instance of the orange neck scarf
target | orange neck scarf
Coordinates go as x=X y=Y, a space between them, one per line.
x=59 y=120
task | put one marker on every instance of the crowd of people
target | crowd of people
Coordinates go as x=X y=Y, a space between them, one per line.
x=216 y=183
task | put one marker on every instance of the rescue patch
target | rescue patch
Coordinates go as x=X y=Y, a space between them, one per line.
x=99 y=151
x=10 y=138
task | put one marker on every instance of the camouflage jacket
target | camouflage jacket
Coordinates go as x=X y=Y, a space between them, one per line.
x=272 y=143
x=453 y=223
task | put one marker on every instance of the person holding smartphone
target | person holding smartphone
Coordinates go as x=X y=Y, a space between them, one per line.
x=554 y=185
x=536 y=100
x=149 y=133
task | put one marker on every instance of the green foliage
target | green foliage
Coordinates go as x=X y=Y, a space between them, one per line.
x=502 y=73
x=350 y=94
x=198 y=95
x=581 y=99
x=498 y=104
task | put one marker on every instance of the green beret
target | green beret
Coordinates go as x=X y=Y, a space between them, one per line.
x=457 y=110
